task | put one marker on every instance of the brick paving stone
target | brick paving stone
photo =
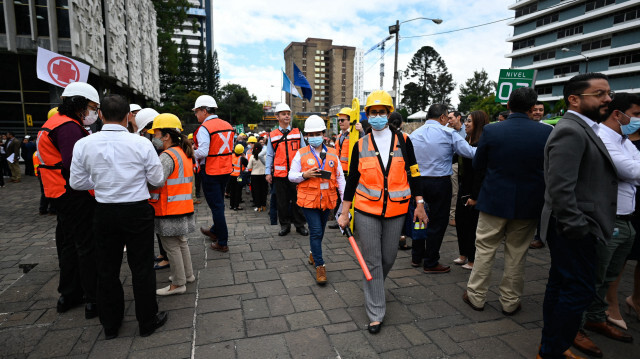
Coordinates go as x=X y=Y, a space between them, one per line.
x=307 y=319
x=280 y=305
x=338 y=315
x=413 y=334
x=493 y=328
x=264 y=326
x=328 y=297
x=309 y=343
x=262 y=275
x=223 y=350
x=177 y=351
x=390 y=339
x=297 y=279
x=162 y=338
x=270 y=288
x=219 y=326
x=444 y=342
x=352 y=345
x=489 y=348
x=115 y=348
x=399 y=354
x=303 y=303
x=252 y=348
x=255 y=308
x=340 y=327
x=219 y=304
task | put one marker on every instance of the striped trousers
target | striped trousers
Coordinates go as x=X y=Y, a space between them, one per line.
x=378 y=241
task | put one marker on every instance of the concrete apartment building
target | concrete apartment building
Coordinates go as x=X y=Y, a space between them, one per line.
x=328 y=68
x=199 y=14
x=562 y=38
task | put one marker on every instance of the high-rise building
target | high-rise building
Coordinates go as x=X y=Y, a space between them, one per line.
x=198 y=27
x=328 y=68
x=358 y=75
x=562 y=38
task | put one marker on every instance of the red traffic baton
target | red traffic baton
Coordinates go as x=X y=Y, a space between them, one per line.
x=356 y=250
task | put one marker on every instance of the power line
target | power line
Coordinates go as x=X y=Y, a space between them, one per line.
x=456 y=30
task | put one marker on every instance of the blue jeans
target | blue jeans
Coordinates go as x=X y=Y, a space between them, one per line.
x=317 y=220
x=213 y=188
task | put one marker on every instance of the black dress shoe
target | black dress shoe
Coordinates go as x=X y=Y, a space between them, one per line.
x=375 y=329
x=303 y=231
x=110 y=334
x=65 y=304
x=90 y=310
x=284 y=231
x=159 y=320
x=518 y=308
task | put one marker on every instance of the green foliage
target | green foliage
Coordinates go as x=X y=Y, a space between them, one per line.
x=488 y=105
x=212 y=74
x=474 y=89
x=186 y=73
x=432 y=81
x=237 y=106
x=403 y=111
x=200 y=70
x=560 y=107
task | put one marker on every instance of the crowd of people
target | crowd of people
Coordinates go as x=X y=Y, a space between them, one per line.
x=518 y=181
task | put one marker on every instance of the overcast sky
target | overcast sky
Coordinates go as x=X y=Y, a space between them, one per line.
x=251 y=35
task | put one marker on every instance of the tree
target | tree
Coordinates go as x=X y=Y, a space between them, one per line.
x=201 y=69
x=488 y=104
x=185 y=67
x=474 y=89
x=432 y=81
x=237 y=106
x=212 y=74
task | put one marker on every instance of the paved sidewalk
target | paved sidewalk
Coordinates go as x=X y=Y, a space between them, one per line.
x=260 y=300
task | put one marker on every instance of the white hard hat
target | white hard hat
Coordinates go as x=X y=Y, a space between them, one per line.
x=314 y=123
x=282 y=107
x=81 y=89
x=134 y=107
x=205 y=101
x=144 y=117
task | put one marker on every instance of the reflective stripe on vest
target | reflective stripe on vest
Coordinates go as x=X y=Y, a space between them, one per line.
x=174 y=198
x=343 y=145
x=218 y=161
x=285 y=148
x=381 y=192
x=237 y=165
x=311 y=193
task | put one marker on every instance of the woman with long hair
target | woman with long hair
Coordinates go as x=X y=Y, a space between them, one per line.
x=259 y=185
x=469 y=181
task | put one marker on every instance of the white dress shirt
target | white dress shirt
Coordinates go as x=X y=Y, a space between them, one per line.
x=295 y=175
x=204 y=140
x=626 y=158
x=116 y=164
x=271 y=153
x=591 y=123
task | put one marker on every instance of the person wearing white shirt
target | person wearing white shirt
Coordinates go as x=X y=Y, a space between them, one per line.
x=118 y=165
x=623 y=120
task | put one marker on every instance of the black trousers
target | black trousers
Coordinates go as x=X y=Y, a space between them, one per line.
x=117 y=225
x=259 y=189
x=76 y=246
x=437 y=195
x=288 y=210
x=46 y=204
x=198 y=183
x=466 y=224
x=235 y=191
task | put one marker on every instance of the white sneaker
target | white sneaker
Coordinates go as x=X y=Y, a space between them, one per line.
x=255 y=209
x=467 y=266
x=459 y=261
x=189 y=279
x=166 y=290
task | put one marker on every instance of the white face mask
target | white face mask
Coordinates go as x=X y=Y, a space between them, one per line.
x=90 y=118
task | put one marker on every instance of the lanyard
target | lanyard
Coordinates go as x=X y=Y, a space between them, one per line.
x=313 y=151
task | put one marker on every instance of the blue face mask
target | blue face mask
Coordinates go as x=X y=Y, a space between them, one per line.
x=633 y=126
x=378 y=122
x=315 y=141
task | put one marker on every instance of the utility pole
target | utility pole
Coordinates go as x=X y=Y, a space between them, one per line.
x=381 y=66
x=395 y=67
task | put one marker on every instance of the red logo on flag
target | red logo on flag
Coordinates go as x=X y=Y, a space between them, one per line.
x=63 y=71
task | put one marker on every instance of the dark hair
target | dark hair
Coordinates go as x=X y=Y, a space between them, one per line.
x=178 y=139
x=11 y=133
x=368 y=108
x=457 y=114
x=114 y=108
x=538 y=103
x=257 y=148
x=479 y=120
x=577 y=84
x=73 y=105
x=210 y=110
x=622 y=102
x=522 y=99
x=504 y=114
x=395 y=119
x=436 y=110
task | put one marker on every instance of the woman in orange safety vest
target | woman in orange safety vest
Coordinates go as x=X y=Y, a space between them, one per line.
x=383 y=175
x=173 y=203
x=317 y=194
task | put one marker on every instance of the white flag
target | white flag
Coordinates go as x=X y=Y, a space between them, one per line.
x=60 y=70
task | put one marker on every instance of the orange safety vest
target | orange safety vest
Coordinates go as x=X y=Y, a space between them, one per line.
x=237 y=165
x=285 y=148
x=220 y=146
x=36 y=163
x=50 y=158
x=174 y=198
x=343 y=150
x=381 y=192
x=317 y=192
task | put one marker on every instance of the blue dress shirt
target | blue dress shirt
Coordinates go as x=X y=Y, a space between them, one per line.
x=434 y=146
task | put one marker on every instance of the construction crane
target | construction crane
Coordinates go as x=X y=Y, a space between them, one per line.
x=380 y=45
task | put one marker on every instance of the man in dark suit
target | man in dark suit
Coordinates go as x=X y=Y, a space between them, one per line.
x=579 y=210
x=510 y=200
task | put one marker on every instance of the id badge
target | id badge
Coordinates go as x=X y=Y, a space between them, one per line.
x=324 y=185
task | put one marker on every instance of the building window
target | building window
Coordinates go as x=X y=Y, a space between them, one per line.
x=547 y=20
x=597 y=44
x=544 y=56
x=592 y=5
x=526 y=10
x=627 y=15
x=569 y=31
x=624 y=59
x=524 y=44
x=544 y=90
x=566 y=69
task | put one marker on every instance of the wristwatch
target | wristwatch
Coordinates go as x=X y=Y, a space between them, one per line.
x=420 y=201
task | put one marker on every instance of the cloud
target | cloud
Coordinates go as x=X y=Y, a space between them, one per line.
x=251 y=36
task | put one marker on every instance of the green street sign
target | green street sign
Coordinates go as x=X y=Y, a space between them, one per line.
x=512 y=79
x=239 y=129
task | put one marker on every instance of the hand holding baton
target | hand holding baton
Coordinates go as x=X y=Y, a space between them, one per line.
x=356 y=250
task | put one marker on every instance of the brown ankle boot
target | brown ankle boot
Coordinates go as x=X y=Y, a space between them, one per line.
x=311 y=259
x=321 y=275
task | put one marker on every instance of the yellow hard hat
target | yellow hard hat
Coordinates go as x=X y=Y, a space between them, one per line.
x=252 y=139
x=242 y=134
x=190 y=136
x=239 y=149
x=379 y=98
x=52 y=112
x=166 y=120
x=345 y=111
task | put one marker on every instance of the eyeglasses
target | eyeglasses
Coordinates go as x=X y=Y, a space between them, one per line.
x=374 y=113
x=599 y=94
x=94 y=108
x=341 y=120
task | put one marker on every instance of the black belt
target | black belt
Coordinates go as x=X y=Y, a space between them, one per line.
x=625 y=217
x=436 y=176
x=124 y=203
